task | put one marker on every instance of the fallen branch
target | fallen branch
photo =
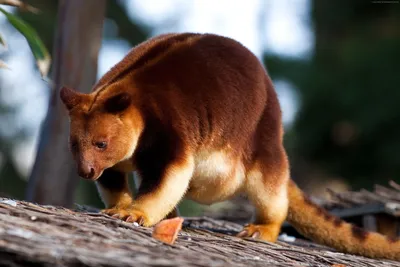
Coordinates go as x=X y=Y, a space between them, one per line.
x=49 y=236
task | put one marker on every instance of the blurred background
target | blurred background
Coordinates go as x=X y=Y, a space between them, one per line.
x=335 y=66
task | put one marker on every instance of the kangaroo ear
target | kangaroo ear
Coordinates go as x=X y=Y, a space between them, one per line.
x=118 y=103
x=70 y=98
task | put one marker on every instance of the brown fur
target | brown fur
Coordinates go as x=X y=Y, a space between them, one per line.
x=196 y=116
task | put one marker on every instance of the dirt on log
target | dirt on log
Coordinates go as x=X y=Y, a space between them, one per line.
x=34 y=235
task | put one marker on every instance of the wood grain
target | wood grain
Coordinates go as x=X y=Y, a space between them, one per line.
x=48 y=236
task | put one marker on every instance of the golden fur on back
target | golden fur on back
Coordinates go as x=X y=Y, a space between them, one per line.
x=196 y=116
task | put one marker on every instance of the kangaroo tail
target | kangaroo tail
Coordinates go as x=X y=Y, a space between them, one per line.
x=317 y=224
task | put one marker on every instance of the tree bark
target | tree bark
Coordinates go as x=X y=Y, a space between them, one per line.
x=34 y=235
x=53 y=179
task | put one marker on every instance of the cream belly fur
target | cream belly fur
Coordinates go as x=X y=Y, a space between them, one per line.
x=217 y=177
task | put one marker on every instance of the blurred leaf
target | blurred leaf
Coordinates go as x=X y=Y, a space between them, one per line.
x=21 y=5
x=3 y=41
x=39 y=51
x=3 y=65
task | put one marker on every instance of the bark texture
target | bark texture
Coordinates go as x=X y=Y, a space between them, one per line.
x=33 y=235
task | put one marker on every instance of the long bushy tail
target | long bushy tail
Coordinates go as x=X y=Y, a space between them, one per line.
x=317 y=224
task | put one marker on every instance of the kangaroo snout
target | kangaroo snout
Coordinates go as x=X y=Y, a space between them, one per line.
x=86 y=170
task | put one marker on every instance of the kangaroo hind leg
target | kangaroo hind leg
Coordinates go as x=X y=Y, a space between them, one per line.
x=266 y=187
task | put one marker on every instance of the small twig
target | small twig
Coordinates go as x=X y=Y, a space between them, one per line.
x=21 y=5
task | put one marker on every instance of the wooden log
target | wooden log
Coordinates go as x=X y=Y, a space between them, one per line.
x=34 y=235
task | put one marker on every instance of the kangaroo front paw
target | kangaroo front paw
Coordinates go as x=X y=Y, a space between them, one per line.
x=116 y=212
x=138 y=216
x=129 y=215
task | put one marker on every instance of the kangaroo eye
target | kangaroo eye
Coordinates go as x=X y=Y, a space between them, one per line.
x=101 y=144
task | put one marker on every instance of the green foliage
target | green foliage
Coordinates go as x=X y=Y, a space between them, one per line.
x=3 y=41
x=348 y=123
x=39 y=51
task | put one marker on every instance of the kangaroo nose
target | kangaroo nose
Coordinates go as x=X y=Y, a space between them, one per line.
x=86 y=171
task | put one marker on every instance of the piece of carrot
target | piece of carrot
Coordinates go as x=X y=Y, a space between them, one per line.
x=167 y=230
